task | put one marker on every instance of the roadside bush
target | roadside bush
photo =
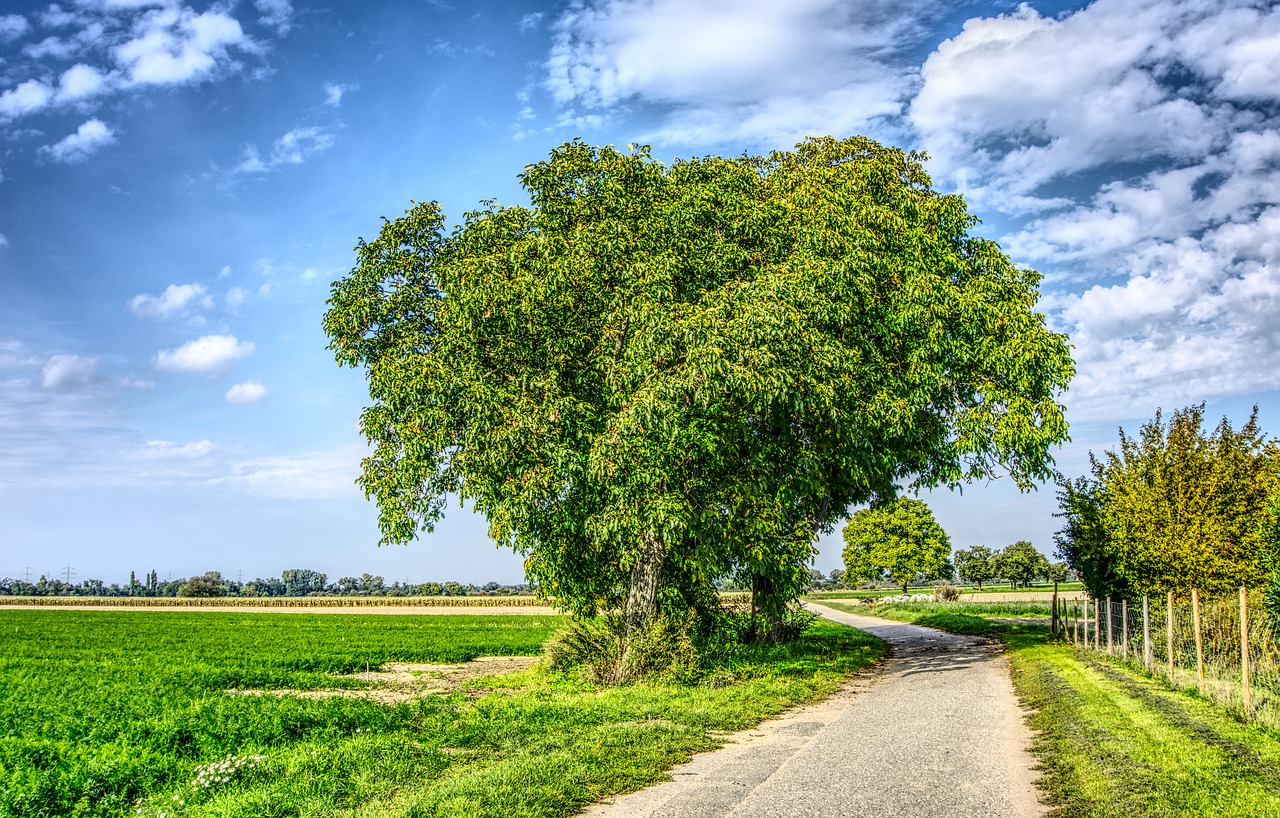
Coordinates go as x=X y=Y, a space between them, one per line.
x=597 y=646
x=679 y=649
x=946 y=593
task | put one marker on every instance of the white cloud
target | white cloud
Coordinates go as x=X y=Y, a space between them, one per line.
x=173 y=45
x=25 y=98
x=275 y=13
x=235 y=298
x=247 y=392
x=309 y=274
x=1136 y=146
x=13 y=26
x=210 y=355
x=177 y=299
x=293 y=148
x=733 y=72
x=334 y=92
x=85 y=142
x=1239 y=49
x=168 y=450
x=1016 y=101
x=530 y=22
x=79 y=82
x=53 y=47
x=329 y=474
x=69 y=372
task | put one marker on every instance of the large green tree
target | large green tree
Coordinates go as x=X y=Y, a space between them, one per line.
x=898 y=539
x=656 y=375
x=1172 y=509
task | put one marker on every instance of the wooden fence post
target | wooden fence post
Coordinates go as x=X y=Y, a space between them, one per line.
x=1168 y=631
x=1075 y=624
x=1124 y=627
x=1146 y=634
x=1053 y=622
x=1244 y=652
x=1097 y=624
x=1109 y=628
x=1195 y=618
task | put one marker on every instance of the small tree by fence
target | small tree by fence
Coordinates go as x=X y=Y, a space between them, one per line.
x=1224 y=649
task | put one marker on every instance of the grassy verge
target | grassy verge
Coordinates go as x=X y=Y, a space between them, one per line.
x=113 y=714
x=1113 y=741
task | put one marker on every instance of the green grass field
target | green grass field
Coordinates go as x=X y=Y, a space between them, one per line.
x=128 y=713
x=1114 y=742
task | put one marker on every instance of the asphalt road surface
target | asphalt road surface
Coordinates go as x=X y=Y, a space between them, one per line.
x=935 y=731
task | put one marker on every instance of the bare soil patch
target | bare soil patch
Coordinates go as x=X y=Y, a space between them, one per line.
x=397 y=682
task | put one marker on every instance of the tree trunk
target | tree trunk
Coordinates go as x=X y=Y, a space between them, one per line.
x=766 y=612
x=642 y=596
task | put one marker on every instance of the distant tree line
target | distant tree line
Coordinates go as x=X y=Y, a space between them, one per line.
x=294 y=582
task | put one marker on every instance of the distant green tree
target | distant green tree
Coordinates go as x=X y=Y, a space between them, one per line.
x=1059 y=571
x=898 y=539
x=208 y=585
x=1021 y=563
x=303 y=581
x=976 y=565
x=454 y=589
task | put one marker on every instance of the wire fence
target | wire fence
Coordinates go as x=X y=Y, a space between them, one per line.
x=1223 y=648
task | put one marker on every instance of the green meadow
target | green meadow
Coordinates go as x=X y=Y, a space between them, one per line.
x=152 y=713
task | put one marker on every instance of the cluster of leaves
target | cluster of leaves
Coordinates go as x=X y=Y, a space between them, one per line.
x=658 y=376
x=1174 y=508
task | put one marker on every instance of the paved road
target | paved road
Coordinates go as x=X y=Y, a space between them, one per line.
x=937 y=731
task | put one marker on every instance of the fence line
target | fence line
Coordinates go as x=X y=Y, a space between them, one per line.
x=1223 y=648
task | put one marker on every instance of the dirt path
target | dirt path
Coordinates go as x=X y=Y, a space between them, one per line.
x=937 y=731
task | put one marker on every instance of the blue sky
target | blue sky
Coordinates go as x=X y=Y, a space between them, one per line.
x=180 y=181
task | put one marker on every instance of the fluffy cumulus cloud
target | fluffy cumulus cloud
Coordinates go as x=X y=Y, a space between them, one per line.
x=1019 y=100
x=1135 y=147
x=13 y=26
x=24 y=98
x=176 y=300
x=247 y=392
x=77 y=56
x=176 y=45
x=68 y=372
x=751 y=71
x=88 y=139
x=80 y=82
x=209 y=355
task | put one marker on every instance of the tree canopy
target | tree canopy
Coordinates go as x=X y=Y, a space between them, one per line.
x=1172 y=509
x=900 y=540
x=976 y=565
x=656 y=375
x=1021 y=563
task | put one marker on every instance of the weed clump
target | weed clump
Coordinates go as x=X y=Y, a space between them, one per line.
x=684 y=649
x=946 y=593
